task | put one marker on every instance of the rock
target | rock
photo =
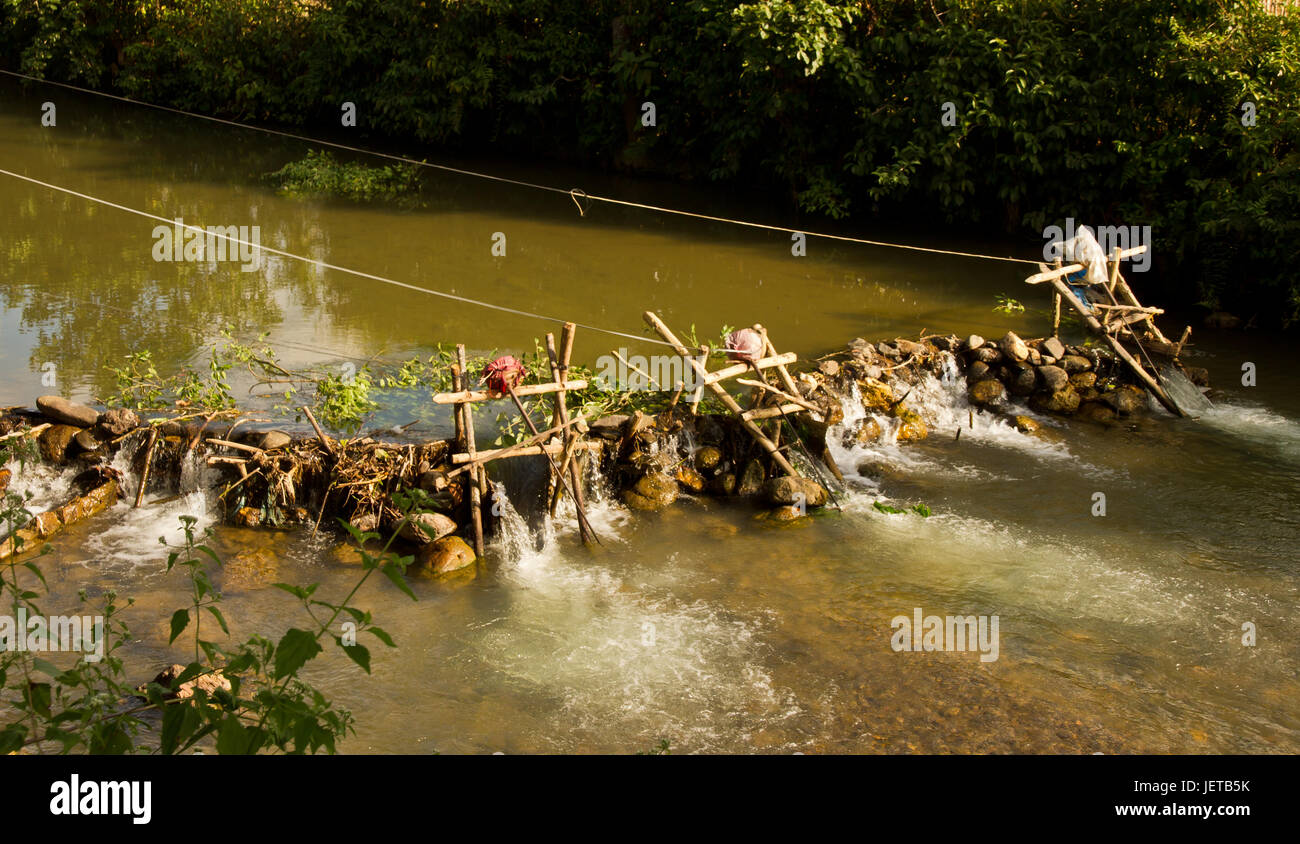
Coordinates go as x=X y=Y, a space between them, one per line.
x=365 y=522
x=708 y=457
x=889 y=351
x=424 y=528
x=987 y=392
x=1198 y=375
x=118 y=421
x=876 y=395
x=609 y=427
x=654 y=491
x=5 y=477
x=988 y=354
x=1013 y=347
x=1083 y=380
x=879 y=470
x=1222 y=319
x=1054 y=378
x=913 y=427
x=1075 y=363
x=68 y=412
x=723 y=484
x=248 y=570
x=974 y=341
x=796 y=491
x=85 y=441
x=908 y=347
x=869 y=431
x=1127 y=399
x=271 y=440
x=1065 y=400
x=1027 y=425
x=948 y=343
x=783 y=515
x=248 y=517
x=829 y=368
x=1054 y=347
x=751 y=480
x=54 y=442
x=1095 y=411
x=1035 y=357
x=1023 y=382
x=444 y=555
x=979 y=370
x=209 y=684
x=433 y=481
x=688 y=478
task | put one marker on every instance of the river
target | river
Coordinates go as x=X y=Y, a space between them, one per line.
x=696 y=626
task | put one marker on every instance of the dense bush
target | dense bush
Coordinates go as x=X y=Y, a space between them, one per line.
x=1108 y=111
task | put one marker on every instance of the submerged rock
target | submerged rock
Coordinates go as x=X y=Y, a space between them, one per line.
x=1127 y=399
x=654 y=491
x=68 y=412
x=688 y=478
x=1027 y=425
x=209 y=684
x=1095 y=411
x=248 y=570
x=790 y=490
x=443 y=556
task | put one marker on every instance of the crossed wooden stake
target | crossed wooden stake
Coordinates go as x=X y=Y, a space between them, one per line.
x=567 y=474
x=1117 y=318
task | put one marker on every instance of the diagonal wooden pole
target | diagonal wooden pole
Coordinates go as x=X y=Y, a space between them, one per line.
x=754 y=431
x=474 y=480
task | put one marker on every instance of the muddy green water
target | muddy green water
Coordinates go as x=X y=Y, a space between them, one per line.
x=1120 y=633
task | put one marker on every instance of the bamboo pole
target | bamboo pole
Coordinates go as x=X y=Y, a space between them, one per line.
x=468 y=395
x=524 y=451
x=144 y=473
x=474 y=480
x=559 y=372
x=324 y=440
x=723 y=395
x=696 y=396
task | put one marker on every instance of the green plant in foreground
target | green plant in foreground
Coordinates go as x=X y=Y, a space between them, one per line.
x=249 y=698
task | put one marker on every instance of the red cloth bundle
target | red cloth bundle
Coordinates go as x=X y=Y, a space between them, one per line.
x=503 y=374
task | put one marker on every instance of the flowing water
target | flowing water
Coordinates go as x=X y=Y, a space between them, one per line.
x=697 y=625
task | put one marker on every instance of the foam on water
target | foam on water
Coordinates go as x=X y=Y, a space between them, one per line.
x=1256 y=424
x=610 y=651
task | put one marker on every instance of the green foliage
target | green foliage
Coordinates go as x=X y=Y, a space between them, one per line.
x=266 y=707
x=1007 y=305
x=922 y=510
x=321 y=175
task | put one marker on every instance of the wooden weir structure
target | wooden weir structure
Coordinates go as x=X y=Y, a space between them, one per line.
x=1115 y=322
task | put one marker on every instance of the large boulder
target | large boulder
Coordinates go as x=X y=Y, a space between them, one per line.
x=1013 y=347
x=1023 y=382
x=67 y=412
x=987 y=392
x=445 y=555
x=1065 y=400
x=423 y=528
x=1054 y=378
x=876 y=395
x=1075 y=363
x=654 y=491
x=54 y=442
x=790 y=490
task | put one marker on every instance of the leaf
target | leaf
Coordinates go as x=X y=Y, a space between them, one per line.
x=359 y=654
x=295 y=649
x=180 y=620
x=393 y=573
x=221 y=619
